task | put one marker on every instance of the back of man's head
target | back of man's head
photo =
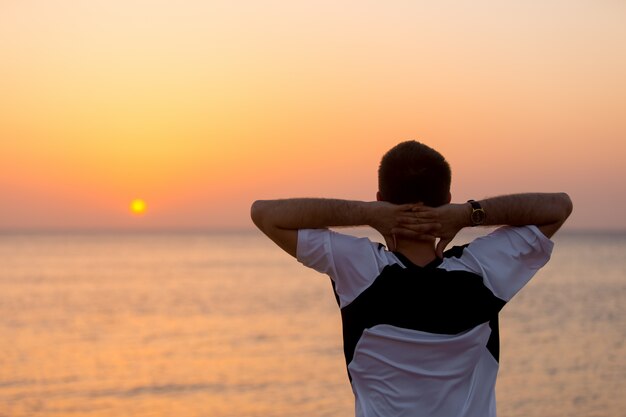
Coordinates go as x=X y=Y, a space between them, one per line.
x=412 y=172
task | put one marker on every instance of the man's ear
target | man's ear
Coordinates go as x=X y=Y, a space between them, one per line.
x=449 y=197
x=378 y=198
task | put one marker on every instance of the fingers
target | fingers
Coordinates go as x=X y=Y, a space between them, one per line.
x=416 y=221
x=418 y=217
x=391 y=241
x=414 y=227
x=421 y=212
x=416 y=232
x=441 y=246
x=419 y=227
x=417 y=208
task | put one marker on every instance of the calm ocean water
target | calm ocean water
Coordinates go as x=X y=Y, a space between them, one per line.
x=225 y=324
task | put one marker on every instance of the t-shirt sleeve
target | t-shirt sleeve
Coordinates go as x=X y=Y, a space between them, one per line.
x=507 y=258
x=352 y=263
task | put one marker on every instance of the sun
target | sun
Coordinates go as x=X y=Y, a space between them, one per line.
x=138 y=206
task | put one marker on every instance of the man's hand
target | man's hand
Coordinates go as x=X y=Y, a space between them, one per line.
x=391 y=220
x=443 y=222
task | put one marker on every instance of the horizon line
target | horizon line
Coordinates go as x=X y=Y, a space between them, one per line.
x=232 y=229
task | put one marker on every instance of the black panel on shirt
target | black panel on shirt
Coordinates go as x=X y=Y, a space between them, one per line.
x=428 y=299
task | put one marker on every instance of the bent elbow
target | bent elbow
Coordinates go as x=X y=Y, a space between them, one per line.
x=261 y=213
x=568 y=206
x=256 y=212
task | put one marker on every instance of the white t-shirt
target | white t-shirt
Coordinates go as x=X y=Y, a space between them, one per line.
x=423 y=341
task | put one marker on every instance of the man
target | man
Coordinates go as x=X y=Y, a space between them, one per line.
x=420 y=325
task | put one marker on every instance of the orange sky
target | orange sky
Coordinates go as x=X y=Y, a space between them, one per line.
x=200 y=107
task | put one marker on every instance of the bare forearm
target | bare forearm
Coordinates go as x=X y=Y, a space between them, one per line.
x=547 y=211
x=539 y=209
x=310 y=213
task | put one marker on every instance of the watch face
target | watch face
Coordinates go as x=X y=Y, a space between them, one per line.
x=478 y=216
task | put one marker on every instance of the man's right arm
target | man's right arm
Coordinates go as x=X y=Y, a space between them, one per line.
x=547 y=211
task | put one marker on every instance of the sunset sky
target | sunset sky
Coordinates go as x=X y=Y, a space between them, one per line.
x=200 y=107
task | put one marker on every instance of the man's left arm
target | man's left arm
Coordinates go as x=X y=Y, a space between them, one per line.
x=546 y=211
x=280 y=220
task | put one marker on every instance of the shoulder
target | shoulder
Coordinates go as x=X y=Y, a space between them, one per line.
x=353 y=263
x=513 y=241
x=506 y=258
x=315 y=243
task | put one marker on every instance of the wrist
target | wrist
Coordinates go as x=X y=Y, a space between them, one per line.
x=464 y=218
x=370 y=211
x=379 y=215
x=477 y=215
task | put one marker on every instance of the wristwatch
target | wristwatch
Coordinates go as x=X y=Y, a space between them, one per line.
x=478 y=214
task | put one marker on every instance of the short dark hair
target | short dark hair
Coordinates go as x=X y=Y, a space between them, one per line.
x=412 y=172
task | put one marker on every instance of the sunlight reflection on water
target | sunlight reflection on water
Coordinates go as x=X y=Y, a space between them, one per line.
x=225 y=324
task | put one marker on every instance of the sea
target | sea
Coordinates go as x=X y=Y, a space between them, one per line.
x=225 y=324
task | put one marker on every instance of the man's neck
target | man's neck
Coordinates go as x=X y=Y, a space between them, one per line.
x=420 y=252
